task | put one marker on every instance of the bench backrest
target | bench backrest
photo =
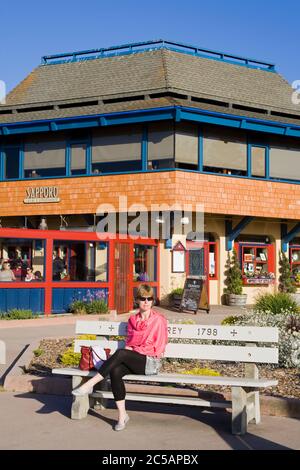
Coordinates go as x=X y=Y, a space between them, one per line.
x=181 y=348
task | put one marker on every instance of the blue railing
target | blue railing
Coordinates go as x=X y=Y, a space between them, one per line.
x=132 y=48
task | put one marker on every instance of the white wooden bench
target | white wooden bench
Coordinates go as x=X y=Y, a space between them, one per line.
x=244 y=389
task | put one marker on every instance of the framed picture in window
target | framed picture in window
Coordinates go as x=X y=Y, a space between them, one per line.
x=250 y=267
x=248 y=257
x=263 y=257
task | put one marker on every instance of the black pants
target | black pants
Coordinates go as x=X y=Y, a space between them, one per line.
x=121 y=363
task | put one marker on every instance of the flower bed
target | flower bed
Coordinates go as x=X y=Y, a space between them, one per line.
x=288 y=378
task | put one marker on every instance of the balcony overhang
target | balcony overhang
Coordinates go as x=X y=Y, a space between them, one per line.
x=176 y=113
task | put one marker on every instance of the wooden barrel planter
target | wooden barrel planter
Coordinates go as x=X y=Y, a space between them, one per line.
x=234 y=300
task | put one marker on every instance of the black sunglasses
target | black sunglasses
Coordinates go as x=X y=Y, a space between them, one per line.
x=145 y=298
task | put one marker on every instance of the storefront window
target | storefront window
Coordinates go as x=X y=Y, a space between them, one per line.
x=225 y=151
x=11 y=163
x=257 y=263
x=145 y=262
x=117 y=149
x=44 y=158
x=295 y=263
x=258 y=161
x=285 y=162
x=78 y=158
x=80 y=261
x=161 y=147
x=22 y=260
x=186 y=146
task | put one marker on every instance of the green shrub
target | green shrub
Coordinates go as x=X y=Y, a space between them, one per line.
x=231 y=320
x=78 y=307
x=82 y=307
x=17 y=314
x=96 y=306
x=286 y=281
x=38 y=352
x=289 y=334
x=71 y=359
x=275 y=303
x=90 y=337
x=177 y=291
x=198 y=371
x=233 y=282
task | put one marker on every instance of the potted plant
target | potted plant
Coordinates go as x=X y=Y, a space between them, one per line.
x=175 y=296
x=234 y=283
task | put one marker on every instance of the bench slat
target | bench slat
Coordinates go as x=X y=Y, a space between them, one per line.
x=200 y=351
x=183 y=378
x=232 y=333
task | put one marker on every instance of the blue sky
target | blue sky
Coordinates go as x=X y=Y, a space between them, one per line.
x=265 y=30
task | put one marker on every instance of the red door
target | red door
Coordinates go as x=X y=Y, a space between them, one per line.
x=122 y=274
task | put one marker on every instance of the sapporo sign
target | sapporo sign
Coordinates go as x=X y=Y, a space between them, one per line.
x=42 y=194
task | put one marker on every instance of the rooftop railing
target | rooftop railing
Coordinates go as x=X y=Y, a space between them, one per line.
x=136 y=47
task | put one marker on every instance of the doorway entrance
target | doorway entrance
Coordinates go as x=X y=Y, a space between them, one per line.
x=122 y=275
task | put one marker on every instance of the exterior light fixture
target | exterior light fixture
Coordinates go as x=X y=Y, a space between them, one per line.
x=184 y=220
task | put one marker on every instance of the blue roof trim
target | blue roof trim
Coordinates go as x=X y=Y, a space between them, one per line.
x=148 y=115
x=134 y=48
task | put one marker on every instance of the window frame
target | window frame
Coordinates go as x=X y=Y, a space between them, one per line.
x=240 y=247
x=69 y=144
x=3 y=148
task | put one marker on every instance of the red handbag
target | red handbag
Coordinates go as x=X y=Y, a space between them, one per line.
x=86 y=360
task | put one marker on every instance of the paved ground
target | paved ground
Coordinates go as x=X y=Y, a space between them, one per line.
x=35 y=421
x=48 y=426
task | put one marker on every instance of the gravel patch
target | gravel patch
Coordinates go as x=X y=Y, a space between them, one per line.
x=288 y=379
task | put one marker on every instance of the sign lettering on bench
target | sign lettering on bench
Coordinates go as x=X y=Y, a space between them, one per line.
x=181 y=330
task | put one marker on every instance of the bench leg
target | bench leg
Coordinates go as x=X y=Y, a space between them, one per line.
x=101 y=403
x=80 y=405
x=253 y=407
x=239 y=410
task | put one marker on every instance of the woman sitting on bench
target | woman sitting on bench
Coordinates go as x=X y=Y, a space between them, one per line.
x=147 y=337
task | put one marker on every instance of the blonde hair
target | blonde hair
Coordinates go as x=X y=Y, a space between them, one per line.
x=145 y=290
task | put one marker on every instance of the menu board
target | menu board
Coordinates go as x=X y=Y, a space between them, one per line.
x=194 y=295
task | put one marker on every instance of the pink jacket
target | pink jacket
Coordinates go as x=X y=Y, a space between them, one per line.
x=148 y=337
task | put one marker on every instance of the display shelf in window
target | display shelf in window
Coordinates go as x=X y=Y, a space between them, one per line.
x=257 y=263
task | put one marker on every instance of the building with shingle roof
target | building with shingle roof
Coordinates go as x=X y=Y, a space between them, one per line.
x=157 y=123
